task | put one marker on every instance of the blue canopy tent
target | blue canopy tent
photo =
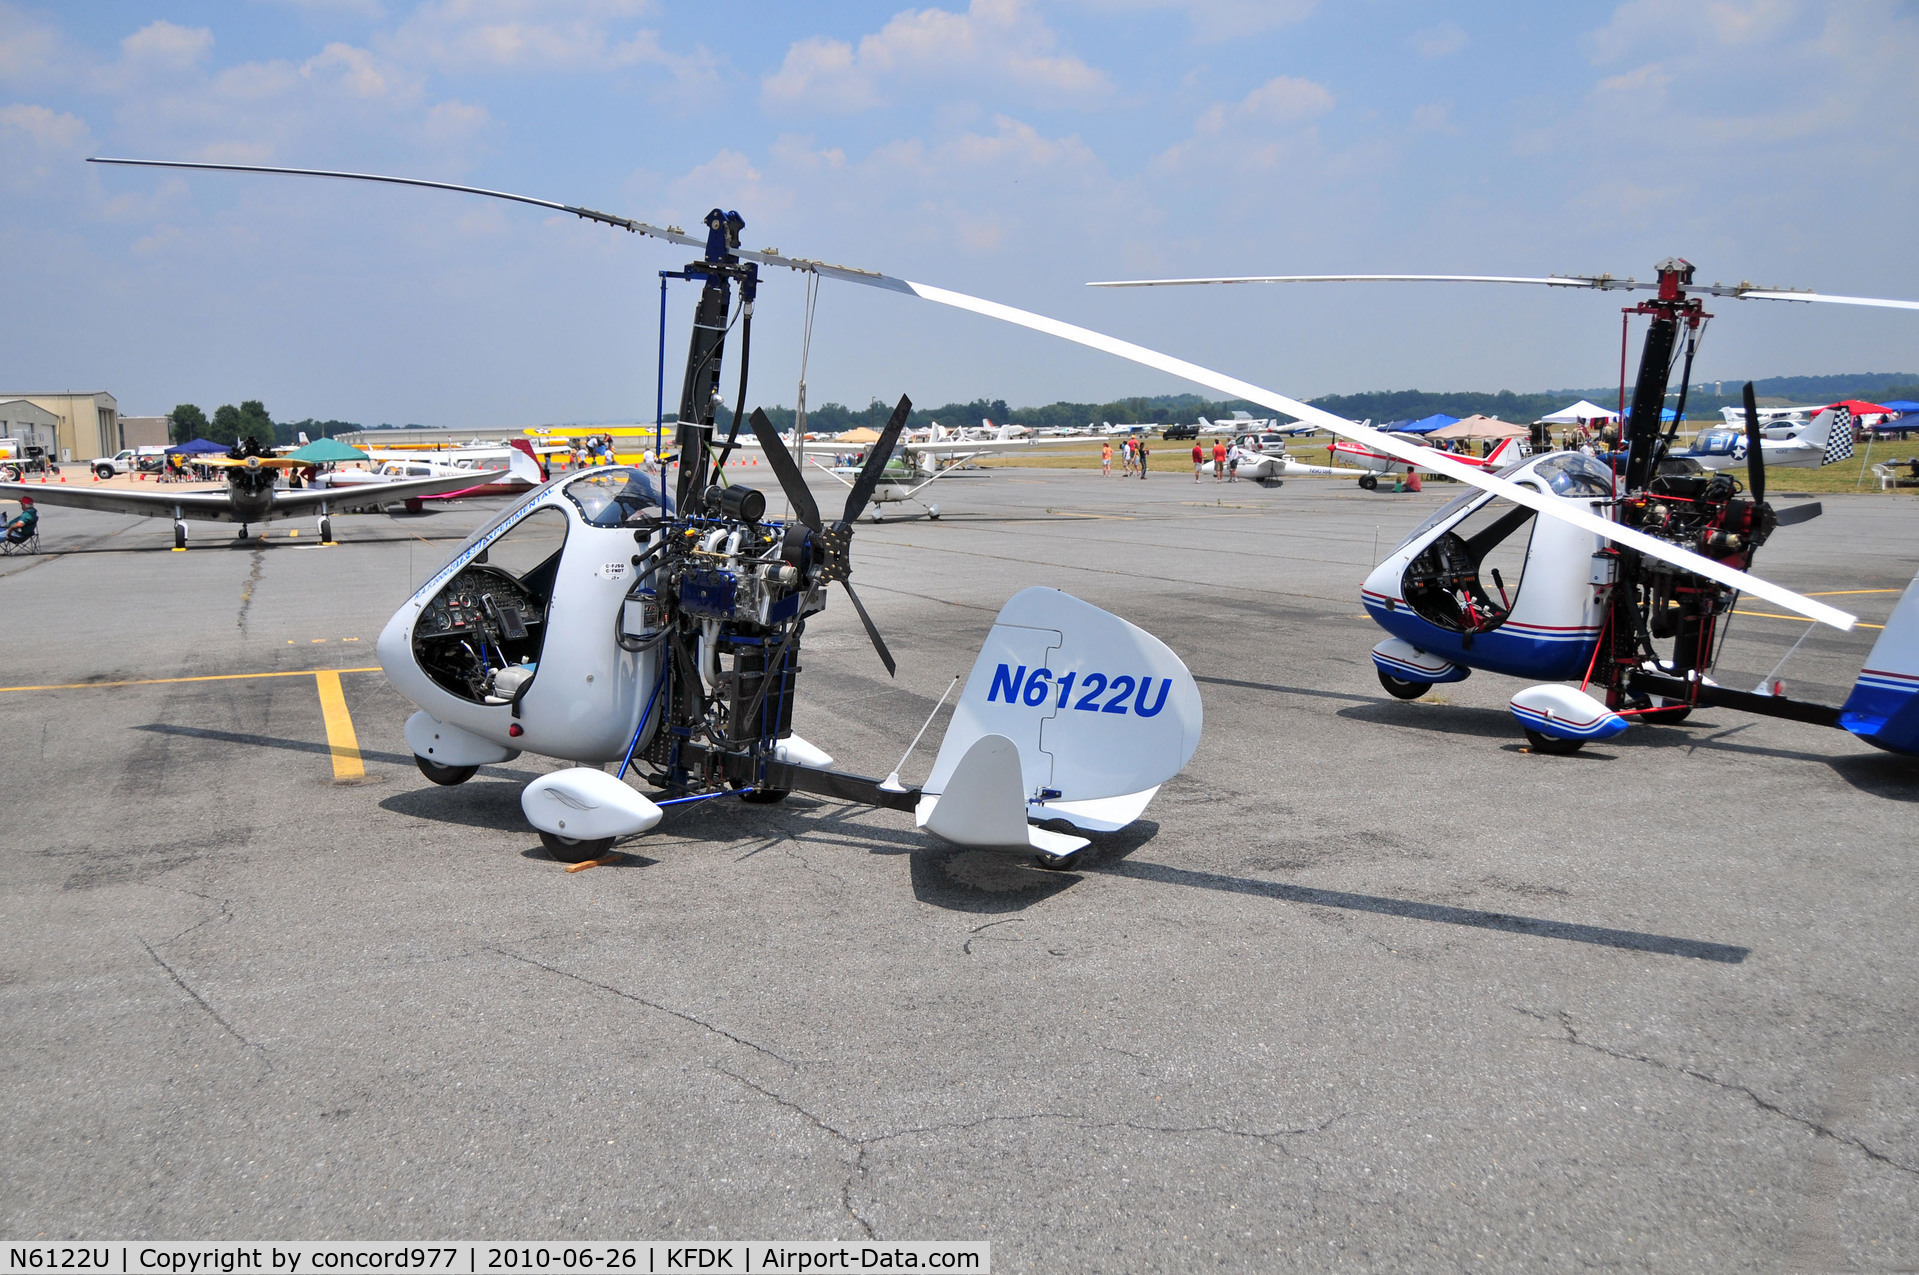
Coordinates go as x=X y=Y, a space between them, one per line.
x=1427 y=425
x=1902 y=424
x=198 y=447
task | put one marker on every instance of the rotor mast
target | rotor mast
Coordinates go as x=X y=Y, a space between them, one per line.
x=700 y=392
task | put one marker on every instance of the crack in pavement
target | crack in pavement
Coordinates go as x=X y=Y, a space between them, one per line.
x=858 y=1172
x=641 y=1000
x=205 y=1004
x=224 y=914
x=253 y=578
x=1562 y=1019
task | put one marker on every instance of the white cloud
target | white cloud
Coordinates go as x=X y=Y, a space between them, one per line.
x=1440 y=41
x=167 y=47
x=1218 y=19
x=537 y=35
x=999 y=41
x=1434 y=117
x=40 y=147
x=1668 y=24
x=30 y=50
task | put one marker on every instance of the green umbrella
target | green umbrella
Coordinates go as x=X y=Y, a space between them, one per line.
x=322 y=450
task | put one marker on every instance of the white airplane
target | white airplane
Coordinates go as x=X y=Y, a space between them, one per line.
x=1106 y=427
x=1374 y=462
x=1263 y=459
x=1773 y=418
x=1821 y=441
x=523 y=471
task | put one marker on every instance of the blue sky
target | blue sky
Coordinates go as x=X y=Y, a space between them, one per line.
x=1011 y=149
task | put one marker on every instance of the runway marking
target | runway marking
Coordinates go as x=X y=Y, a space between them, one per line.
x=162 y=681
x=1774 y=615
x=1834 y=593
x=341 y=741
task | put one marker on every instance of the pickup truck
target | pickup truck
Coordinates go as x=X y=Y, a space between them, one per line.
x=1177 y=432
x=148 y=460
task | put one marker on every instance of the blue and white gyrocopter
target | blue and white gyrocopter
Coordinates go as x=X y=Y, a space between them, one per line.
x=1603 y=590
x=604 y=619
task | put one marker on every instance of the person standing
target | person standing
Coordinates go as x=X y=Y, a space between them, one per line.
x=1219 y=461
x=1199 y=459
x=1144 y=452
x=1232 y=463
x=1106 y=459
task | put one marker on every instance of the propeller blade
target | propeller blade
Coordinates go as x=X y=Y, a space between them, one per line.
x=872 y=629
x=1755 y=453
x=1605 y=282
x=792 y=482
x=875 y=463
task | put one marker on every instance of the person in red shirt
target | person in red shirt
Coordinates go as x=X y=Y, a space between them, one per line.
x=1219 y=461
x=1199 y=460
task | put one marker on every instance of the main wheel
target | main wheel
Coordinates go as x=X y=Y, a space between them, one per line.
x=445 y=776
x=765 y=796
x=326 y=531
x=1399 y=688
x=567 y=850
x=1670 y=713
x=1553 y=747
x=1369 y=483
x=179 y=536
x=1060 y=862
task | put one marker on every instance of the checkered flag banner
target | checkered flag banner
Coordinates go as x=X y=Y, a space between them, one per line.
x=1839 y=441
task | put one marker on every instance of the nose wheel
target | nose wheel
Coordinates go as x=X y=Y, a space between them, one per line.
x=326 y=531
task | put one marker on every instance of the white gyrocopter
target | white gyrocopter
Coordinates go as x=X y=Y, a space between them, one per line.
x=605 y=619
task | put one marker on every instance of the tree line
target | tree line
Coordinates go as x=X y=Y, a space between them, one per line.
x=230 y=424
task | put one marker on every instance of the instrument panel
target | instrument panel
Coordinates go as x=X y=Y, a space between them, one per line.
x=481 y=601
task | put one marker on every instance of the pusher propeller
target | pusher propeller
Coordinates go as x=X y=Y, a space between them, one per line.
x=835 y=543
x=1755 y=450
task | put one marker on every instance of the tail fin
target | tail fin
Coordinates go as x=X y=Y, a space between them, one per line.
x=1832 y=430
x=523 y=462
x=1099 y=711
x=1883 y=708
x=1506 y=451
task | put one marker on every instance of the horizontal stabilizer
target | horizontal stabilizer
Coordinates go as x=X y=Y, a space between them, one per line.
x=1883 y=708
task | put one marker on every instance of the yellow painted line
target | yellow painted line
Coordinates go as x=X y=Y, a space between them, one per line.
x=340 y=739
x=163 y=681
x=1836 y=593
x=1774 y=615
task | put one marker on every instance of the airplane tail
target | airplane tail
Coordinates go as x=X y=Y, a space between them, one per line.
x=1832 y=430
x=523 y=462
x=1507 y=451
x=1070 y=714
x=1883 y=708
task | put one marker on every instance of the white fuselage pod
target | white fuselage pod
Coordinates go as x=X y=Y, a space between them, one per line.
x=585 y=694
x=1506 y=592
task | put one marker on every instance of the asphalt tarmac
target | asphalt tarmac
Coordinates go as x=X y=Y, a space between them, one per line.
x=1369 y=986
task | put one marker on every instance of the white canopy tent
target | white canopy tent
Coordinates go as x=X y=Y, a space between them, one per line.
x=1581 y=413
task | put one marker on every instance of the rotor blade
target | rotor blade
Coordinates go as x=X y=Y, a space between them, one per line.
x=1773 y=294
x=872 y=629
x=792 y=482
x=876 y=462
x=1602 y=281
x=671 y=234
x=1755 y=452
x=1571 y=511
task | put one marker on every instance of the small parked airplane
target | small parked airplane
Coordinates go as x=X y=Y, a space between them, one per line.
x=523 y=471
x=252 y=494
x=1359 y=456
x=1825 y=439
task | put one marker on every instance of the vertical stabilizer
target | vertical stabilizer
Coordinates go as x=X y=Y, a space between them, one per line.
x=1883 y=708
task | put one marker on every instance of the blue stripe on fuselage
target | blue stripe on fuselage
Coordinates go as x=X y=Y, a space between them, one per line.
x=1496 y=651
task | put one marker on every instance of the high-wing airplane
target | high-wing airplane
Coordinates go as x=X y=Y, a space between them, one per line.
x=1826 y=439
x=251 y=495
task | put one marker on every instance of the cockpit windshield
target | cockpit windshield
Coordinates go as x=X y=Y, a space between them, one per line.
x=616 y=497
x=1575 y=474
